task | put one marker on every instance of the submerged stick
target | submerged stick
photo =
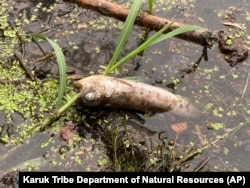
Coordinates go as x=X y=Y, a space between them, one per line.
x=204 y=38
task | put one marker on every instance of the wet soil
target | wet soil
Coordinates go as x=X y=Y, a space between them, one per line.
x=215 y=82
x=232 y=42
x=9 y=180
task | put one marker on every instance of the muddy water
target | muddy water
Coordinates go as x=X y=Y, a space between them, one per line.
x=213 y=82
x=220 y=91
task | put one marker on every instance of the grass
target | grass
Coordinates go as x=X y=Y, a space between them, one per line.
x=150 y=5
x=114 y=63
x=124 y=34
x=156 y=38
x=61 y=66
x=220 y=125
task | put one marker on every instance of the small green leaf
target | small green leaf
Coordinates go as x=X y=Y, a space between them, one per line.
x=217 y=126
x=9 y=33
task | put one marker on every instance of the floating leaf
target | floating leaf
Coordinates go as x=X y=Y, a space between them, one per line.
x=217 y=126
x=67 y=132
x=179 y=127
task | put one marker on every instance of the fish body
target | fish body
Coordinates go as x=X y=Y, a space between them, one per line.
x=106 y=91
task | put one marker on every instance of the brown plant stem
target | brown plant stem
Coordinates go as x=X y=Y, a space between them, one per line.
x=144 y=19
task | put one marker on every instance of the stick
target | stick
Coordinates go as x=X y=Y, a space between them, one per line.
x=46 y=56
x=201 y=165
x=245 y=88
x=27 y=69
x=204 y=38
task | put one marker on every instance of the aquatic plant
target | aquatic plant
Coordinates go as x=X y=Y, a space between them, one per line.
x=61 y=66
x=150 y=6
x=113 y=63
x=154 y=39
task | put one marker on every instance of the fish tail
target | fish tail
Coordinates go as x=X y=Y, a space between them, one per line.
x=185 y=108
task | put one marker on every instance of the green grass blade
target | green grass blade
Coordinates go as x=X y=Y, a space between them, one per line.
x=157 y=37
x=128 y=25
x=150 y=5
x=176 y=32
x=142 y=47
x=61 y=66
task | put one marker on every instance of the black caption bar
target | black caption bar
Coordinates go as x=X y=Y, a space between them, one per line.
x=80 y=179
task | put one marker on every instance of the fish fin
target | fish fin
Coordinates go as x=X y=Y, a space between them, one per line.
x=186 y=108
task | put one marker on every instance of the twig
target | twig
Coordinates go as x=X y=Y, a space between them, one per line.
x=46 y=56
x=22 y=43
x=201 y=165
x=233 y=24
x=199 y=134
x=202 y=37
x=27 y=70
x=245 y=88
x=199 y=150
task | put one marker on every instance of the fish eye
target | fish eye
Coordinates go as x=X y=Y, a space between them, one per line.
x=89 y=97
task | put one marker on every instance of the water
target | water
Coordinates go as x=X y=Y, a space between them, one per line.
x=221 y=92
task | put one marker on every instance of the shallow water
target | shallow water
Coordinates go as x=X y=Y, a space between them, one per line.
x=221 y=92
x=213 y=82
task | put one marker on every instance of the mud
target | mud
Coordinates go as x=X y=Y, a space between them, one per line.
x=220 y=90
x=232 y=41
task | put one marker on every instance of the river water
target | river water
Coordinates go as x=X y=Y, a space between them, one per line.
x=221 y=92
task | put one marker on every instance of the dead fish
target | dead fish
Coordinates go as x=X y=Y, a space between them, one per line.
x=107 y=91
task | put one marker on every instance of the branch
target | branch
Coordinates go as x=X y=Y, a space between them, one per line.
x=204 y=38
